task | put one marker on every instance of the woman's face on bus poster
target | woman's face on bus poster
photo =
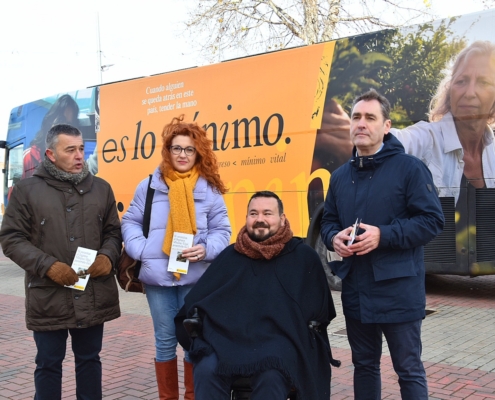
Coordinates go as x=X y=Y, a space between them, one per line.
x=472 y=92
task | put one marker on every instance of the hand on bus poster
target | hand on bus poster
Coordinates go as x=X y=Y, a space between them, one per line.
x=333 y=143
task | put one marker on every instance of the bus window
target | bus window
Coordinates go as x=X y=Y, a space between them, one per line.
x=14 y=172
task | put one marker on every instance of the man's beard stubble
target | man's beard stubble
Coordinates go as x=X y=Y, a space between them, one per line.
x=259 y=237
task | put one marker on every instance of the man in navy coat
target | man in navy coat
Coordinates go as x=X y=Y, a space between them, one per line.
x=382 y=268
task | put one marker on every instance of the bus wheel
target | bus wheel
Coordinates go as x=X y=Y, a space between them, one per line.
x=334 y=282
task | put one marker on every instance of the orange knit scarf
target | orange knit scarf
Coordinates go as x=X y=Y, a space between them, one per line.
x=182 y=215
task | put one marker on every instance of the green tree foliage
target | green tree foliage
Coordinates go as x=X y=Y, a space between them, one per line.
x=405 y=65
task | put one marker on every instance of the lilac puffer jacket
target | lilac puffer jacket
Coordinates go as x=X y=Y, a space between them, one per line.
x=213 y=231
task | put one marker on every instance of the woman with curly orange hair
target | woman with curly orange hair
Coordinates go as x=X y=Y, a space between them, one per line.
x=187 y=199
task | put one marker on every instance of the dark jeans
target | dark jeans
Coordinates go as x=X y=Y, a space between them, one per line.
x=270 y=384
x=404 y=343
x=51 y=345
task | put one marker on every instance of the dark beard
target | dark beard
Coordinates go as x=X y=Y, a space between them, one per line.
x=259 y=238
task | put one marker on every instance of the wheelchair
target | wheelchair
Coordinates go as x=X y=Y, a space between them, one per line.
x=241 y=388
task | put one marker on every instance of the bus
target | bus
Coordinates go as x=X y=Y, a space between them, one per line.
x=279 y=121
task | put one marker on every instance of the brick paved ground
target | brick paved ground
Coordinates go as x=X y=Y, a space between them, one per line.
x=458 y=338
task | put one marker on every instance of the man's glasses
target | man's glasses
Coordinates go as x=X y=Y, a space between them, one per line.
x=188 y=151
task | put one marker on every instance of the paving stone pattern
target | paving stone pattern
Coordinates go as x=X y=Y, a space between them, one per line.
x=458 y=345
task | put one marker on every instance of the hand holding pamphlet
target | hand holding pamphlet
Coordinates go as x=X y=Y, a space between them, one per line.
x=82 y=261
x=354 y=231
x=176 y=262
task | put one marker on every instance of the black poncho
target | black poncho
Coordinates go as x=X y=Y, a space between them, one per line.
x=256 y=316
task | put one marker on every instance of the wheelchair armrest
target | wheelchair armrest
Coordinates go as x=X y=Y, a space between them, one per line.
x=193 y=325
x=315 y=326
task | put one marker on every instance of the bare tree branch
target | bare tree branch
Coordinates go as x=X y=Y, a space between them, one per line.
x=285 y=18
x=241 y=27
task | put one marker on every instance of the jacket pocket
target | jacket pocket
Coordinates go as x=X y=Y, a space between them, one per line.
x=46 y=302
x=396 y=264
x=106 y=293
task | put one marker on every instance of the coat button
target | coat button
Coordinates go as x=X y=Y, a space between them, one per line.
x=71 y=238
x=69 y=209
x=81 y=191
x=76 y=297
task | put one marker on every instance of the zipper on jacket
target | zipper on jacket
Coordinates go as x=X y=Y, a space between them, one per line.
x=42 y=235
x=100 y=231
x=361 y=162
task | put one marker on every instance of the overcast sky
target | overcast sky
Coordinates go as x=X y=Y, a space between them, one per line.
x=52 y=46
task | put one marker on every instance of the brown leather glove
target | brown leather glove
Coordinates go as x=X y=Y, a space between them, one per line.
x=62 y=274
x=101 y=267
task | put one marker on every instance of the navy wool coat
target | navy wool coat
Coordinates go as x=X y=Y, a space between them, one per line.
x=395 y=192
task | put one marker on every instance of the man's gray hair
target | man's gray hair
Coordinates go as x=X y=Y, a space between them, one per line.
x=372 y=94
x=59 y=129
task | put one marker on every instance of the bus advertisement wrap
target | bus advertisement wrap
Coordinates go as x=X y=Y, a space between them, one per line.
x=280 y=121
x=260 y=112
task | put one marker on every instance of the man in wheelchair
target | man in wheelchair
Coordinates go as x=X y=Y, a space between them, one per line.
x=261 y=311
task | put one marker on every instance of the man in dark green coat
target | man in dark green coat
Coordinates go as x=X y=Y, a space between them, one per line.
x=49 y=216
